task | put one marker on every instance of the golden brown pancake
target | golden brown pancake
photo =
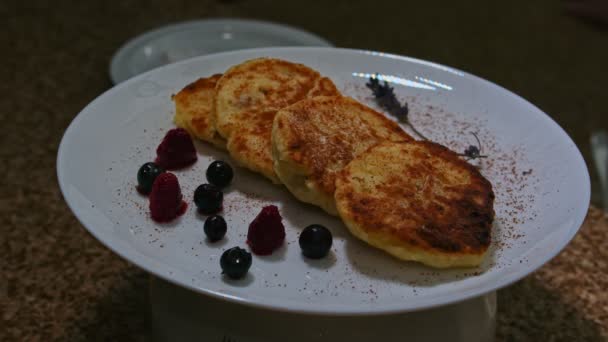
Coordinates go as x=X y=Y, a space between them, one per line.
x=418 y=201
x=315 y=138
x=194 y=110
x=247 y=99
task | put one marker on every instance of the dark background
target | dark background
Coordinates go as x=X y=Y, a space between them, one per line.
x=58 y=282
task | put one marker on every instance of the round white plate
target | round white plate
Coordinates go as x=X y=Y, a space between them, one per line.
x=539 y=177
x=177 y=42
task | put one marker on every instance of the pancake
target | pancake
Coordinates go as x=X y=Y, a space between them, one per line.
x=247 y=99
x=194 y=110
x=315 y=138
x=418 y=201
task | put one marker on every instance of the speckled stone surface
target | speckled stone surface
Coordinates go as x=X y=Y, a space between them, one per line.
x=58 y=283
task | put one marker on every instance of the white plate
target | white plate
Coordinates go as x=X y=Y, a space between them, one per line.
x=177 y=42
x=540 y=179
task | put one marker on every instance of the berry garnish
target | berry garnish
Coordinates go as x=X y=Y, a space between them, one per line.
x=146 y=175
x=215 y=228
x=235 y=262
x=219 y=173
x=176 y=150
x=208 y=199
x=166 y=198
x=266 y=232
x=315 y=241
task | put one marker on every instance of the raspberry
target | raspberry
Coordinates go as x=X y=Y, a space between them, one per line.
x=176 y=150
x=166 y=198
x=266 y=232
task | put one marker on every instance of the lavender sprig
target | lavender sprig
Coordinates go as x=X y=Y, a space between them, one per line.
x=473 y=152
x=385 y=97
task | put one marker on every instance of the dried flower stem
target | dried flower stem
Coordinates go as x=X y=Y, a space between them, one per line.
x=385 y=97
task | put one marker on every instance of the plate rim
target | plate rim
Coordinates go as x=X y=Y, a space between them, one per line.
x=119 y=56
x=137 y=258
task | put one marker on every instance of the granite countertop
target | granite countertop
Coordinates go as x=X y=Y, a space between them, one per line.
x=57 y=282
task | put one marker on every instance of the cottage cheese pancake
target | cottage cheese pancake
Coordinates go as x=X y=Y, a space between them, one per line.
x=417 y=201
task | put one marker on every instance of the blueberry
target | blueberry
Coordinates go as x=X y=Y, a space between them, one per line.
x=146 y=175
x=208 y=199
x=215 y=228
x=219 y=173
x=235 y=262
x=315 y=241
